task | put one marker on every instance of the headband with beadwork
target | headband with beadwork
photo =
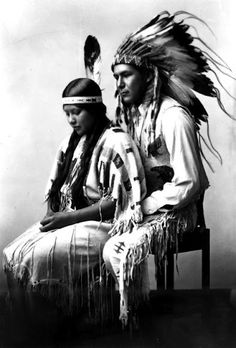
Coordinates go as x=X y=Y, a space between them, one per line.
x=82 y=100
x=131 y=60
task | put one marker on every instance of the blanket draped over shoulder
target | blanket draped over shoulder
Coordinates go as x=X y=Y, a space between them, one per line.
x=65 y=265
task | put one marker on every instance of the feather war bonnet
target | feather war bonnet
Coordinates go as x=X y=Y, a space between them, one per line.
x=166 y=46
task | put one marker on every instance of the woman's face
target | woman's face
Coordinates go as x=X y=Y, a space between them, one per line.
x=81 y=120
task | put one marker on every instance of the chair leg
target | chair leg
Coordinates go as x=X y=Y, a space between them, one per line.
x=159 y=274
x=206 y=260
x=170 y=271
x=165 y=274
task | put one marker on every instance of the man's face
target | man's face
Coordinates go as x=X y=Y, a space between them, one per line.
x=131 y=84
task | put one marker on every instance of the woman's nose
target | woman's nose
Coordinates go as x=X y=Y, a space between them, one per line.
x=71 y=119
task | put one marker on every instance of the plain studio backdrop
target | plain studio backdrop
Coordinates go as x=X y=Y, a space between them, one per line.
x=42 y=50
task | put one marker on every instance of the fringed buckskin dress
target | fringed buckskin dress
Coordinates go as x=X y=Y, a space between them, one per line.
x=65 y=265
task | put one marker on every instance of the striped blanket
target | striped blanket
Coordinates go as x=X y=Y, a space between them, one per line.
x=58 y=263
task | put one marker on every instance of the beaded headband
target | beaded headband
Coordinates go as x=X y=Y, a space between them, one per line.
x=131 y=60
x=82 y=100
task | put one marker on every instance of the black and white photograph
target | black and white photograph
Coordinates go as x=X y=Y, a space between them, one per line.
x=117 y=179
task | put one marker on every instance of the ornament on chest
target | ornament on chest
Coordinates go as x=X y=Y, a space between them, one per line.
x=157 y=177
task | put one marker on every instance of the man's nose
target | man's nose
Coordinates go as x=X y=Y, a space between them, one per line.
x=120 y=82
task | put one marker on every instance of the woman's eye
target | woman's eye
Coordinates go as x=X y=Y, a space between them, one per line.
x=73 y=113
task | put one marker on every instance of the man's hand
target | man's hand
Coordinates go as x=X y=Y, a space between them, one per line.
x=149 y=206
x=55 y=221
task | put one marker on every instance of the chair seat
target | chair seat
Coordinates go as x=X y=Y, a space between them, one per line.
x=194 y=240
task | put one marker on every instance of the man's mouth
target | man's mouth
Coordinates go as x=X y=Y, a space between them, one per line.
x=124 y=93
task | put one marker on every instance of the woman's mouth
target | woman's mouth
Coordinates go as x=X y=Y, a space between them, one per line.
x=77 y=129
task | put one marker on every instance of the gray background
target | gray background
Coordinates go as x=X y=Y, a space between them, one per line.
x=41 y=45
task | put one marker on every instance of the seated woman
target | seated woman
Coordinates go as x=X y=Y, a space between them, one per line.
x=97 y=181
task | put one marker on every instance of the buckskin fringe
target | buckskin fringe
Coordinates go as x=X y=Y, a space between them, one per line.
x=153 y=237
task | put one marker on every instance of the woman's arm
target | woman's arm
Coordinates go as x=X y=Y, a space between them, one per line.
x=102 y=210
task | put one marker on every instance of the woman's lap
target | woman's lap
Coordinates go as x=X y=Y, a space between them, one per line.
x=55 y=254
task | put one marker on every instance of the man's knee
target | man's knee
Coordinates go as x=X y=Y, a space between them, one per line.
x=108 y=252
x=111 y=258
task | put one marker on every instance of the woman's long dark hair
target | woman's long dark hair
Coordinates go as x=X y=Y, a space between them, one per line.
x=79 y=87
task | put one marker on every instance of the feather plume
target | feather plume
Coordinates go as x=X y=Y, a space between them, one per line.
x=92 y=59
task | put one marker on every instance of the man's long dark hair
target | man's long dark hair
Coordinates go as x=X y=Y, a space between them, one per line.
x=79 y=87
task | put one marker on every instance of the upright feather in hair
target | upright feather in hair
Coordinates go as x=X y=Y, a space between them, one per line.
x=92 y=59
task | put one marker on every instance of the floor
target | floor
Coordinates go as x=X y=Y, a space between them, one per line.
x=179 y=318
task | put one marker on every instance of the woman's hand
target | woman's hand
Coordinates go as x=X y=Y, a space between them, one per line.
x=55 y=221
x=99 y=211
x=48 y=214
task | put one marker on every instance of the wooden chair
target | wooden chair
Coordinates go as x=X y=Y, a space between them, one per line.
x=199 y=239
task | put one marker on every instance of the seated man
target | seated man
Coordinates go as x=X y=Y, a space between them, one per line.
x=156 y=69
